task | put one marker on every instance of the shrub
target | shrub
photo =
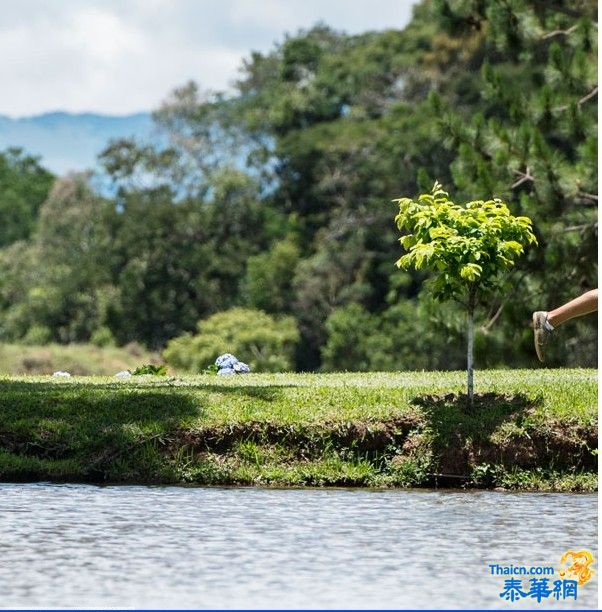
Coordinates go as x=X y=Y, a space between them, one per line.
x=266 y=343
x=102 y=336
x=150 y=369
x=37 y=335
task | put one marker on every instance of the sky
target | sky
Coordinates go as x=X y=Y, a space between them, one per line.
x=124 y=56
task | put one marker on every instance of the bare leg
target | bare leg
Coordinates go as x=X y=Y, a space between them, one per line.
x=584 y=304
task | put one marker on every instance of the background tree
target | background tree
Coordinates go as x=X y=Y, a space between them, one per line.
x=278 y=195
x=532 y=140
x=24 y=185
x=59 y=284
x=269 y=276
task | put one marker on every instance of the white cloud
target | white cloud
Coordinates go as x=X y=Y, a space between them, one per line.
x=351 y=16
x=102 y=36
x=121 y=56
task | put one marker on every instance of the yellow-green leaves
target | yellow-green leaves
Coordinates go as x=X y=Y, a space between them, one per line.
x=467 y=246
x=471 y=272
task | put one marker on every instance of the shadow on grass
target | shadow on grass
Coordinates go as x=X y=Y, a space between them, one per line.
x=96 y=424
x=267 y=393
x=449 y=414
x=462 y=436
x=90 y=426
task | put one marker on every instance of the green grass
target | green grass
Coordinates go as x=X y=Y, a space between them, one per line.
x=528 y=430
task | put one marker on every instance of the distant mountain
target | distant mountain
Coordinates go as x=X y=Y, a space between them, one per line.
x=67 y=141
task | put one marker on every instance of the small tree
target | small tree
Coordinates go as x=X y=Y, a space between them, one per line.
x=468 y=247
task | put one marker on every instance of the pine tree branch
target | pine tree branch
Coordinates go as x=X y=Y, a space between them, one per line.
x=524 y=177
x=559 y=33
x=590 y=95
x=588 y=196
x=578 y=228
x=487 y=326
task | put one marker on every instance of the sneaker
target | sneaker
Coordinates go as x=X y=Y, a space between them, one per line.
x=542 y=330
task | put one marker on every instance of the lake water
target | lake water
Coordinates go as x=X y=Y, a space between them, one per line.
x=161 y=547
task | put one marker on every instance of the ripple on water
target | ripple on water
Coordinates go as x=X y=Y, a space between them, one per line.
x=86 y=546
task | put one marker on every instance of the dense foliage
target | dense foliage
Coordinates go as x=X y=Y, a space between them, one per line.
x=278 y=197
x=24 y=185
x=467 y=246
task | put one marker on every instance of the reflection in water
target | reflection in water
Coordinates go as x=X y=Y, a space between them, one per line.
x=85 y=546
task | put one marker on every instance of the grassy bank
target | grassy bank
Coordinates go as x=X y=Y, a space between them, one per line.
x=80 y=359
x=529 y=429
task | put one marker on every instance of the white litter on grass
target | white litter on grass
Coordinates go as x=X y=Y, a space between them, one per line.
x=226 y=372
x=123 y=374
x=60 y=374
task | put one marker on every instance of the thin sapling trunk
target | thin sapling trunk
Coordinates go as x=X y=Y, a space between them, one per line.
x=469 y=346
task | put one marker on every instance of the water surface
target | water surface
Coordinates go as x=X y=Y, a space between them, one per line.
x=161 y=547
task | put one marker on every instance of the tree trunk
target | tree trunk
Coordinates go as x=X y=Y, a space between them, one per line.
x=469 y=348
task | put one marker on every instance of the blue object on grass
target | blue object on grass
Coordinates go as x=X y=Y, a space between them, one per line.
x=229 y=364
x=226 y=360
